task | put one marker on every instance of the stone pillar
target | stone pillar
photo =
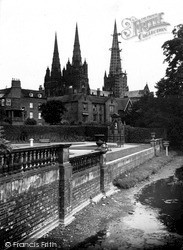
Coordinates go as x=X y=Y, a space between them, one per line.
x=65 y=184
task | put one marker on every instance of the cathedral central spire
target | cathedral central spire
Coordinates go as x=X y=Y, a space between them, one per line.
x=115 y=63
x=56 y=59
x=76 y=59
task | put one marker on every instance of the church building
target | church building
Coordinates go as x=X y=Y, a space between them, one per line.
x=73 y=78
x=116 y=81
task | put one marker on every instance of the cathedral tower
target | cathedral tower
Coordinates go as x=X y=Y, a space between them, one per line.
x=53 y=79
x=116 y=81
x=76 y=74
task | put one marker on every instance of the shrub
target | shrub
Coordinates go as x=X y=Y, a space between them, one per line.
x=30 y=121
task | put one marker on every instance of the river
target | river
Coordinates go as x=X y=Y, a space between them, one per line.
x=155 y=223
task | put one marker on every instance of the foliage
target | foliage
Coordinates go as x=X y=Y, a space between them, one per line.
x=4 y=144
x=142 y=135
x=142 y=172
x=160 y=112
x=172 y=83
x=52 y=111
x=2 y=113
x=30 y=121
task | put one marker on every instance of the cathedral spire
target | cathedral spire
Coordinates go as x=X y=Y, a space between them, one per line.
x=76 y=59
x=115 y=63
x=56 y=60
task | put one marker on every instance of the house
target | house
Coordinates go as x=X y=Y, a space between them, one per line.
x=20 y=104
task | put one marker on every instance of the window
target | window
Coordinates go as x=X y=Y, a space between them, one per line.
x=94 y=107
x=31 y=115
x=39 y=115
x=39 y=95
x=31 y=105
x=85 y=106
x=85 y=118
x=8 y=102
x=39 y=105
x=111 y=108
x=100 y=118
x=2 y=102
x=94 y=117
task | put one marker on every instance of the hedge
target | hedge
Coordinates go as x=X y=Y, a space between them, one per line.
x=142 y=135
x=22 y=133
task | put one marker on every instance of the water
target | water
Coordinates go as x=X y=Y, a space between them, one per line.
x=158 y=212
x=167 y=196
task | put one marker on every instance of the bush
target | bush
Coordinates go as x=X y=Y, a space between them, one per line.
x=30 y=121
x=142 y=135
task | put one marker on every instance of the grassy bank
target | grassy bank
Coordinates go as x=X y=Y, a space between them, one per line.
x=142 y=172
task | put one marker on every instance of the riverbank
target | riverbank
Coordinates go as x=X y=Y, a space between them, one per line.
x=99 y=221
x=142 y=172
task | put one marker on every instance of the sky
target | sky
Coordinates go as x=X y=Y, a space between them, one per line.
x=27 y=32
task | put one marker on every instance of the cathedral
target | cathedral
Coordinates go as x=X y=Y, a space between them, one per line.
x=71 y=86
x=73 y=79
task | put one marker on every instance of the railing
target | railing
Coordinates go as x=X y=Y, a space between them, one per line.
x=24 y=159
x=80 y=163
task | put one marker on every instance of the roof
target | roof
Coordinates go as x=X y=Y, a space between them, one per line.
x=4 y=92
x=32 y=93
x=123 y=103
x=76 y=97
x=134 y=93
x=102 y=92
x=67 y=98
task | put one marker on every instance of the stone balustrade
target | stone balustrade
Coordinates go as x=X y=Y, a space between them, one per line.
x=82 y=162
x=23 y=159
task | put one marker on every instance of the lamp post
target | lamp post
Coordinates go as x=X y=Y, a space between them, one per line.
x=153 y=142
x=166 y=144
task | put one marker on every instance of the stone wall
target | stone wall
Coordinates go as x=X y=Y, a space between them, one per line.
x=42 y=187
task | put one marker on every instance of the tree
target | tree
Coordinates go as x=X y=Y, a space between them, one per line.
x=2 y=114
x=5 y=146
x=52 y=111
x=172 y=83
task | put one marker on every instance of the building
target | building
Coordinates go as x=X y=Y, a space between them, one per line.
x=116 y=81
x=85 y=105
x=73 y=78
x=135 y=95
x=92 y=109
x=20 y=104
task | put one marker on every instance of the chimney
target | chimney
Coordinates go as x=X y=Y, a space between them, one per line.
x=40 y=88
x=15 y=88
x=98 y=92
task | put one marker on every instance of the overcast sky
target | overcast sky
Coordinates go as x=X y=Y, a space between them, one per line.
x=27 y=30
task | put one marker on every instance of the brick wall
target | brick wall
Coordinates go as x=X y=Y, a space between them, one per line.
x=46 y=194
x=28 y=202
x=85 y=185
